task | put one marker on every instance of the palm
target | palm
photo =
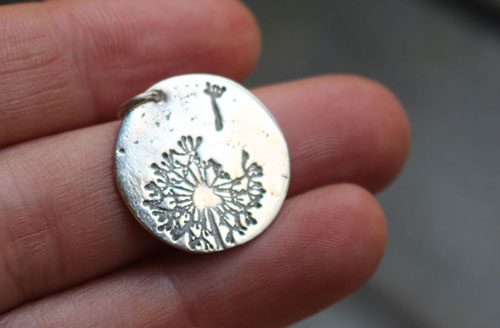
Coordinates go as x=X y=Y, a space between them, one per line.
x=70 y=253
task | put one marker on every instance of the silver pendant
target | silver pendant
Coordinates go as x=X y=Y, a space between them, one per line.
x=201 y=163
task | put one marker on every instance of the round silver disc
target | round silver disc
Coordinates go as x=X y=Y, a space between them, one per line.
x=201 y=163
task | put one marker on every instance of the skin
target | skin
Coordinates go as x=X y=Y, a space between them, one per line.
x=71 y=255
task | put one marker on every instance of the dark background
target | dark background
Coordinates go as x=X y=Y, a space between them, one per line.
x=442 y=58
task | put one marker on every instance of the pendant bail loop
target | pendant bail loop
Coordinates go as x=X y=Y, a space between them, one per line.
x=145 y=97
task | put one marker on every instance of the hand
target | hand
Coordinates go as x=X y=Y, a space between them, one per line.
x=71 y=254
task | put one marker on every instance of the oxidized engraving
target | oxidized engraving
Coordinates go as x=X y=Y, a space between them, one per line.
x=197 y=199
x=215 y=91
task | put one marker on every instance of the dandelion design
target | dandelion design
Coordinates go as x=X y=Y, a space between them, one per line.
x=196 y=199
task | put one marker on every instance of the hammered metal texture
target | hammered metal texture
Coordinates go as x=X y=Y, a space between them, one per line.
x=205 y=167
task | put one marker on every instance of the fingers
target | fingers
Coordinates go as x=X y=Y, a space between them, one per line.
x=62 y=220
x=70 y=64
x=324 y=245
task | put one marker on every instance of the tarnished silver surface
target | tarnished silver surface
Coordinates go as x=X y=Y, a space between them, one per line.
x=201 y=163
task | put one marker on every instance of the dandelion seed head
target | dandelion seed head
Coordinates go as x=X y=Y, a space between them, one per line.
x=192 y=198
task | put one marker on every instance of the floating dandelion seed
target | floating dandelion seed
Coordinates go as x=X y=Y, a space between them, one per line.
x=196 y=199
x=215 y=92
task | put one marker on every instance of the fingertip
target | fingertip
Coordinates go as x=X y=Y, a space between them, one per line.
x=344 y=128
x=375 y=121
x=389 y=126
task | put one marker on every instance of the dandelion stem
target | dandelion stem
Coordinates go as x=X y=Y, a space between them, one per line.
x=215 y=229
